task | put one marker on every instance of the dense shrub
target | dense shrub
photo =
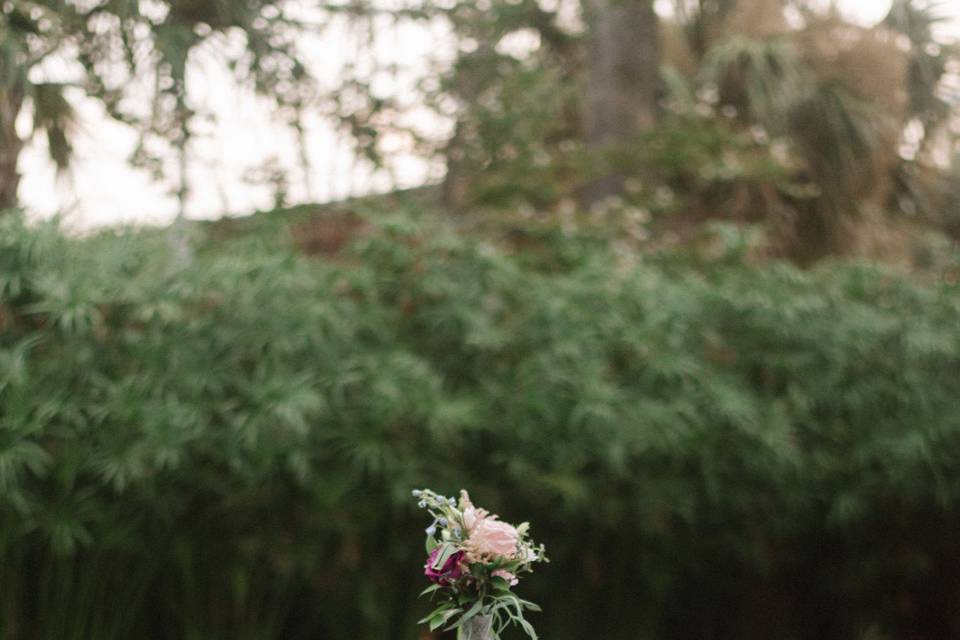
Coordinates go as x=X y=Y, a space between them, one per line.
x=224 y=450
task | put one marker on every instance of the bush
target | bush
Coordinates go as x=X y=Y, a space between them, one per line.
x=224 y=450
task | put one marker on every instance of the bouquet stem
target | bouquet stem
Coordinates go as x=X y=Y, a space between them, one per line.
x=478 y=628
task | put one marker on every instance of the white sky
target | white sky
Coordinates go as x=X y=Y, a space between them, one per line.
x=103 y=190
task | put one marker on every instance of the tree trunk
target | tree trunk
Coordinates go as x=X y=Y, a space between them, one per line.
x=469 y=84
x=623 y=83
x=11 y=101
x=454 y=188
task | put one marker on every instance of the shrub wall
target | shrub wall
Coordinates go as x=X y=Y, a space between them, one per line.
x=224 y=450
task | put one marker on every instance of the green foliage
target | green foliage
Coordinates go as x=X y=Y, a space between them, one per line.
x=133 y=53
x=516 y=141
x=844 y=119
x=31 y=33
x=225 y=450
x=135 y=58
x=929 y=59
x=517 y=107
x=760 y=79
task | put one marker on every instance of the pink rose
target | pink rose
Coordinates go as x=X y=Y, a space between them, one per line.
x=472 y=517
x=506 y=575
x=491 y=537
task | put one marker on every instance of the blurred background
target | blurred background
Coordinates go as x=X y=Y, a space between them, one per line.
x=676 y=281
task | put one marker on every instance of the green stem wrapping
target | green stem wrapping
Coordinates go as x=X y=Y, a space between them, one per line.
x=477 y=628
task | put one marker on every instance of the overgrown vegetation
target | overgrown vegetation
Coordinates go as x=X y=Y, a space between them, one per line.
x=848 y=128
x=710 y=449
x=135 y=59
x=712 y=442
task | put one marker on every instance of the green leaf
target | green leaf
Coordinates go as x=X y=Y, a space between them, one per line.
x=471 y=612
x=530 y=606
x=436 y=612
x=528 y=629
x=499 y=584
x=430 y=589
x=442 y=618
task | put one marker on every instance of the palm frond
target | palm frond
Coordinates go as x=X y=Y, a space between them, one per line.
x=759 y=79
x=54 y=115
x=916 y=20
x=701 y=20
x=929 y=59
x=837 y=137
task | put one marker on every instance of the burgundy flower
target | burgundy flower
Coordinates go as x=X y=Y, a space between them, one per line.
x=449 y=572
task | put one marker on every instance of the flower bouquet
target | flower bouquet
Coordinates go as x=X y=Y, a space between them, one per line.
x=473 y=559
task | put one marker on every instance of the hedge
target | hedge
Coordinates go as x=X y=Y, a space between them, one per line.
x=223 y=450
